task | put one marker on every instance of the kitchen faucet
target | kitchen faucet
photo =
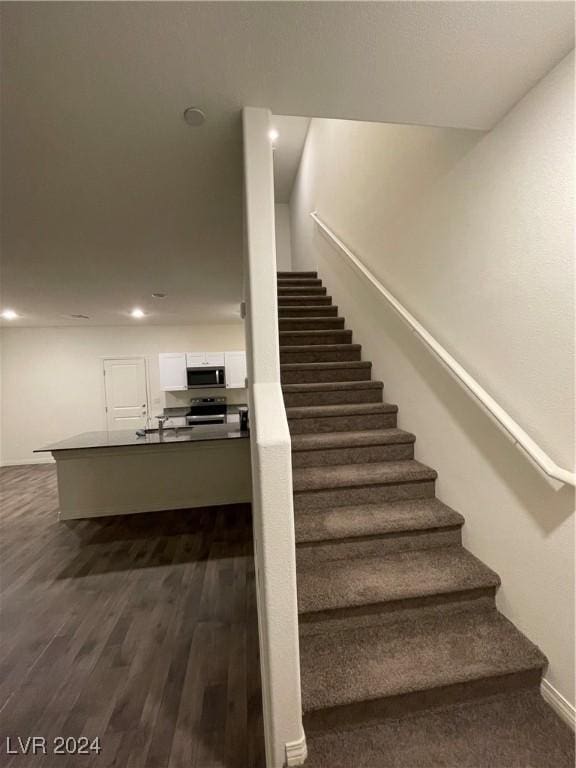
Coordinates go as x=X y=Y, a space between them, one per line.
x=161 y=420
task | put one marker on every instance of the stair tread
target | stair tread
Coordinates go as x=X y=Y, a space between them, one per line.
x=319 y=348
x=414 y=653
x=322 y=440
x=374 y=520
x=325 y=386
x=284 y=273
x=353 y=475
x=329 y=365
x=305 y=284
x=312 y=319
x=510 y=729
x=397 y=576
x=302 y=297
x=316 y=338
x=340 y=409
x=312 y=308
x=308 y=290
x=317 y=324
x=306 y=333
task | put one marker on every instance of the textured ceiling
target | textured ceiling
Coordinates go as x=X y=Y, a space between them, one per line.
x=109 y=195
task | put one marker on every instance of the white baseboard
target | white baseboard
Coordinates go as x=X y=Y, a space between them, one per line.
x=296 y=751
x=559 y=704
x=24 y=462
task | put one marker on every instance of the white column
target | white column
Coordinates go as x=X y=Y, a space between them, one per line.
x=273 y=512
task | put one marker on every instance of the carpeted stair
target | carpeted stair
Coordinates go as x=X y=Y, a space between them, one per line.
x=398 y=622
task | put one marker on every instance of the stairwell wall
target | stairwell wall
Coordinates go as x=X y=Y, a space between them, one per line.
x=283 y=235
x=473 y=234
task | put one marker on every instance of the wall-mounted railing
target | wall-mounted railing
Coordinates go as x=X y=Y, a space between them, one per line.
x=272 y=505
x=519 y=437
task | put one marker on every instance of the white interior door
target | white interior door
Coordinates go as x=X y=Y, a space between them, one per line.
x=126 y=393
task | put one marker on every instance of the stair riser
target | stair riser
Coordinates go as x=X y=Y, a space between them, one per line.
x=342 y=423
x=333 y=397
x=304 y=301
x=364 y=454
x=379 y=613
x=315 y=337
x=319 y=312
x=304 y=290
x=367 y=712
x=315 y=376
x=319 y=355
x=295 y=275
x=285 y=313
x=374 y=546
x=308 y=282
x=311 y=323
x=371 y=494
x=366 y=620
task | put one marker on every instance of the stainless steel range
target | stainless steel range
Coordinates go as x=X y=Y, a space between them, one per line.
x=207 y=410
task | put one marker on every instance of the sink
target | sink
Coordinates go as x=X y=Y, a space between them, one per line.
x=168 y=431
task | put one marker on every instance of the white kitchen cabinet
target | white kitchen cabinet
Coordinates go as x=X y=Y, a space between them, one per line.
x=209 y=359
x=173 y=368
x=172 y=371
x=215 y=358
x=235 y=363
x=195 y=359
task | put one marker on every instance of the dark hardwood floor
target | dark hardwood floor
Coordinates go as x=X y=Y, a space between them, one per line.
x=140 y=630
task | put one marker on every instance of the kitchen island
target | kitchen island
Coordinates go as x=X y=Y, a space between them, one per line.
x=121 y=472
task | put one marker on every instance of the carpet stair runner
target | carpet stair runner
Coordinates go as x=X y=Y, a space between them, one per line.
x=398 y=623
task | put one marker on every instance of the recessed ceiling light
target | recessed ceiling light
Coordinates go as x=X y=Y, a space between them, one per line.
x=9 y=314
x=194 y=116
x=273 y=135
x=137 y=312
x=158 y=295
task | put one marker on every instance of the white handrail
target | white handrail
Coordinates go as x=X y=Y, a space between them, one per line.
x=518 y=435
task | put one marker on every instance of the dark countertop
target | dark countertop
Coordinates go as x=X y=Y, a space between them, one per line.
x=129 y=438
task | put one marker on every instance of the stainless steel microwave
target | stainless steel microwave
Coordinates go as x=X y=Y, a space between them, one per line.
x=206 y=376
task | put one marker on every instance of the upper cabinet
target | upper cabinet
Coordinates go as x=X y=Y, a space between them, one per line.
x=198 y=359
x=215 y=358
x=173 y=367
x=195 y=359
x=172 y=371
x=235 y=363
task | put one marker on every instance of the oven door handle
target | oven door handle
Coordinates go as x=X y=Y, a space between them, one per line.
x=207 y=417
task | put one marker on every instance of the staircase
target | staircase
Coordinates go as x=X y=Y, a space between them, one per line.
x=395 y=616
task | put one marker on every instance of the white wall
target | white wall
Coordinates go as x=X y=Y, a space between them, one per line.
x=283 y=237
x=473 y=233
x=272 y=503
x=52 y=382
